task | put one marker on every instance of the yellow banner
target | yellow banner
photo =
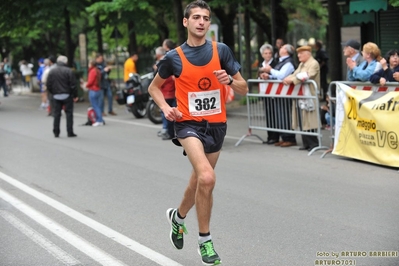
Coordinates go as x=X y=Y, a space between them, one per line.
x=367 y=125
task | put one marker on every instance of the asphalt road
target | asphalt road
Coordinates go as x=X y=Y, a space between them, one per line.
x=100 y=198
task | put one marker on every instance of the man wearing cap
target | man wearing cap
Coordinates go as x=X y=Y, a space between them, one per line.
x=61 y=83
x=305 y=119
x=351 y=51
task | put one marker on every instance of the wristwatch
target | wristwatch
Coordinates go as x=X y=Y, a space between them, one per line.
x=231 y=80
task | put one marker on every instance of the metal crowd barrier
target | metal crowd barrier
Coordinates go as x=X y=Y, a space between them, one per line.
x=271 y=109
x=366 y=86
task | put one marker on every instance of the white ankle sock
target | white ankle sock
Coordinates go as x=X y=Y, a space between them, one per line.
x=178 y=220
x=203 y=239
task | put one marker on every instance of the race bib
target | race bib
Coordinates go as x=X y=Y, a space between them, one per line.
x=204 y=103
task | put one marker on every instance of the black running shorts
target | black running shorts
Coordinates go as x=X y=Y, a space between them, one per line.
x=211 y=134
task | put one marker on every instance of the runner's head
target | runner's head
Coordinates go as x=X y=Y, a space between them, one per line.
x=199 y=3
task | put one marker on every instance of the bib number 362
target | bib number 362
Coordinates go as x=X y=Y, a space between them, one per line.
x=204 y=103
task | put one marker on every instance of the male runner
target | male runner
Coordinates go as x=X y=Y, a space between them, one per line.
x=202 y=70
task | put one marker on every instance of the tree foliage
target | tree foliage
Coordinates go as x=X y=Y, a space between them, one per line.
x=37 y=28
x=394 y=3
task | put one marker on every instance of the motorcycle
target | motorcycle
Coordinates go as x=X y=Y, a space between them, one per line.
x=154 y=112
x=135 y=95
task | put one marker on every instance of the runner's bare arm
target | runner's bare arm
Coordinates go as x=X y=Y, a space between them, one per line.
x=154 y=89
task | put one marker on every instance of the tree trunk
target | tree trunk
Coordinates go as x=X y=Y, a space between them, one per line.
x=163 y=28
x=99 y=35
x=68 y=38
x=228 y=24
x=334 y=41
x=181 y=31
x=281 y=20
x=248 y=50
x=263 y=22
x=132 y=37
x=260 y=37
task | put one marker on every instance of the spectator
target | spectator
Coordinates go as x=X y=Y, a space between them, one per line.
x=266 y=52
x=130 y=65
x=168 y=45
x=168 y=91
x=93 y=84
x=279 y=44
x=39 y=76
x=61 y=83
x=105 y=84
x=351 y=52
x=282 y=69
x=26 y=71
x=329 y=113
x=8 y=76
x=50 y=64
x=3 y=79
x=370 y=65
x=322 y=57
x=305 y=119
x=390 y=65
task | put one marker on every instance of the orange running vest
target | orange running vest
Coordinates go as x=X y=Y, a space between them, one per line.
x=199 y=94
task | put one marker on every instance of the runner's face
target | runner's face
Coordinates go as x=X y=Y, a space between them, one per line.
x=198 y=23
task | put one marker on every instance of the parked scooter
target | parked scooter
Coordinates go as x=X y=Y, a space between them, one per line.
x=135 y=96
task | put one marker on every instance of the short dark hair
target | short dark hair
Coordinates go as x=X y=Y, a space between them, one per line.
x=391 y=53
x=52 y=59
x=170 y=44
x=199 y=3
x=98 y=55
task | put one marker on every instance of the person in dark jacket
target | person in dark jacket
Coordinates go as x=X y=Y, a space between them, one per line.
x=266 y=52
x=390 y=65
x=105 y=84
x=61 y=83
x=322 y=57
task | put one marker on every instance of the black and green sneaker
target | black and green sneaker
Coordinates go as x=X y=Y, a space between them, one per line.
x=177 y=230
x=208 y=253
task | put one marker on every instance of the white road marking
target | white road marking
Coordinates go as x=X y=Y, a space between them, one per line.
x=125 y=122
x=39 y=239
x=89 y=249
x=102 y=229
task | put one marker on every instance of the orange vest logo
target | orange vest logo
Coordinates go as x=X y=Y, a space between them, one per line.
x=204 y=83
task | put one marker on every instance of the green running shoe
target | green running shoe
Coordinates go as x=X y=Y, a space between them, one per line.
x=208 y=253
x=177 y=230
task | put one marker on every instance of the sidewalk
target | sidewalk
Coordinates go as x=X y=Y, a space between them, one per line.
x=19 y=90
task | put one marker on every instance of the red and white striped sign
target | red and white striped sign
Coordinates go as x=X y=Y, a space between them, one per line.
x=375 y=88
x=281 y=89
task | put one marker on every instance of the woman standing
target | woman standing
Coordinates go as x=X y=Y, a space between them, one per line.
x=93 y=84
x=266 y=52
